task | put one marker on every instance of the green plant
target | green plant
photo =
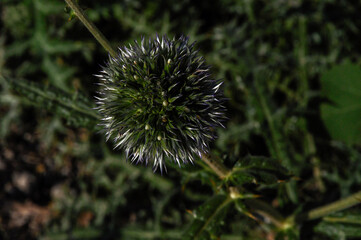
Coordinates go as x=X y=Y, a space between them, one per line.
x=272 y=171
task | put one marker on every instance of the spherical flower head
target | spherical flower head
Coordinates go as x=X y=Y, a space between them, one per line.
x=159 y=101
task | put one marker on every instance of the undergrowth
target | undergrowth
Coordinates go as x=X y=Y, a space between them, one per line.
x=286 y=165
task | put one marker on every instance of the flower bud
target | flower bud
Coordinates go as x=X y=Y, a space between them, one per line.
x=159 y=101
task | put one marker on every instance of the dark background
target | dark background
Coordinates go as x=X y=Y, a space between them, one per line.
x=63 y=181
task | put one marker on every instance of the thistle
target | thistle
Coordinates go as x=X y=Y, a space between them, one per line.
x=158 y=101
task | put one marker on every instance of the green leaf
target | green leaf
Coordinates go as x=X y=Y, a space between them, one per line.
x=207 y=218
x=75 y=108
x=342 y=86
x=341 y=226
x=258 y=170
x=56 y=73
x=78 y=233
x=288 y=234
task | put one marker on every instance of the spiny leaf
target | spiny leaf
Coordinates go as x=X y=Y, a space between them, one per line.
x=258 y=170
x=212 y=211
x=342 y=225
x=56 y=73
x=76 y=108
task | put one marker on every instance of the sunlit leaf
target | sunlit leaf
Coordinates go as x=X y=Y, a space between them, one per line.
x=342 y=86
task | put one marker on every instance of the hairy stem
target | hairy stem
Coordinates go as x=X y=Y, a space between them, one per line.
x=266 y=211
x=339 y=205
x=219 y=169
x=91 y=27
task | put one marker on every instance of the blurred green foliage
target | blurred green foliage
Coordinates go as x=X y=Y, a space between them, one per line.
x=283 y=67
x=341 y=226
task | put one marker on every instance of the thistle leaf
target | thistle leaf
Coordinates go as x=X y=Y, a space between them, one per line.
x=76 y=109
x=258 y=170
x=212 y=211
x=342 y=225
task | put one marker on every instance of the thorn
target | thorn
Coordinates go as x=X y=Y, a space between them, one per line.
x=190 y=212
x=251 y=216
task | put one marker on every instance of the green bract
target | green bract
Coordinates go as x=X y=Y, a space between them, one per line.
x=159 y=101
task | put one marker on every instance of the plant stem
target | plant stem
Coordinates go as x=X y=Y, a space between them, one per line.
x=216 y=166
x=266 y=211
x=272 y=214
x=262 y=208
x=339 y=205
x=275 y=138
x=91 y=27
x=310 y=143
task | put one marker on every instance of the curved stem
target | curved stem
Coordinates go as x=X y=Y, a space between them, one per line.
x=91 y=27
x=339 y=205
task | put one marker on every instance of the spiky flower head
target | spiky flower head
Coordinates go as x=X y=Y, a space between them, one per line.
x=159 y=101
